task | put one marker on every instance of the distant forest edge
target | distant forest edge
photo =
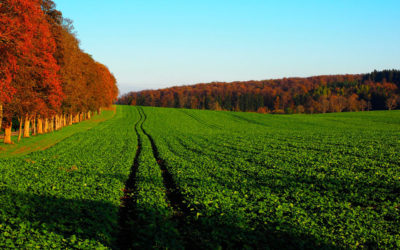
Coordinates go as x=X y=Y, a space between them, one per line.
x=378 y=90
x=46 y=80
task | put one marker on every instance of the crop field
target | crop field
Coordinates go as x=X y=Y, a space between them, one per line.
x=45 y=141
x=177 y=178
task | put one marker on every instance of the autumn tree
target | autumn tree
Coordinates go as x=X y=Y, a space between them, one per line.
x=13 y=33
x=19 y=19
x=37 y=81
x=391 y=102
x=44 y=75
x=319 y=94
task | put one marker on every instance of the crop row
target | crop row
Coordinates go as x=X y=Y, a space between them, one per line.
x=257 y=180
x=152 y=224
x=206 y=179
x=68 y=196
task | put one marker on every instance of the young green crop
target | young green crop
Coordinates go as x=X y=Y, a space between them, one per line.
x=153 y=226
x=208 y=179
x=68 y=196
x=44 y=141
x=293 y=180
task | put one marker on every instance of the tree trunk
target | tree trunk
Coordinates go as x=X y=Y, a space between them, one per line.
x=34 y=125
x=20 y=128
x=88 y=115
x=70 y=122
x=60 y=121
x=51 y=124
x=98 y=111
x=56 y=123
x=55 y=120
x=46 y=126
x=7 y=134
x=39 y=126
x=27 y=127
x=1 y=115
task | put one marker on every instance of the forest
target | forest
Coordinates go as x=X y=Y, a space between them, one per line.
x=46 y=80
x=378 y=90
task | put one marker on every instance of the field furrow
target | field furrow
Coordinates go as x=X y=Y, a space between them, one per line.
x=68 y=196
x=295 y=181
x=127 y=209
x=209 y=180
x=175 y=198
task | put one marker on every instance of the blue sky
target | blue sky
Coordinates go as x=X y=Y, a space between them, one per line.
x=154 y=44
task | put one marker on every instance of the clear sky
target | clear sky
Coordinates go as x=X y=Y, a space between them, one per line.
x=151 y=44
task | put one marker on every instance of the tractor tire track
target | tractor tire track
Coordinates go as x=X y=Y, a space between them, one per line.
x=183 y=215
x=240 y=118
x=212 y=126
x=128 y=201
x=175 y=198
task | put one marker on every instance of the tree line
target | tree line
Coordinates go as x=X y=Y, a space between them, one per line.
x=46 y=80
x=318 y=94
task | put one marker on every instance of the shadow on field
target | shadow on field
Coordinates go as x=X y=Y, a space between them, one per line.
x=97 y=222
x=86 y=219
x=214 y=233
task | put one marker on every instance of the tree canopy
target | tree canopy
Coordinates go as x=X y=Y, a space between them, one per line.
x=43 y=72
x=318 y=94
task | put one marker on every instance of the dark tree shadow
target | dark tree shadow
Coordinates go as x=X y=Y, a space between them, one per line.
x=74 y=220
x=97 y=222
x=220 y=233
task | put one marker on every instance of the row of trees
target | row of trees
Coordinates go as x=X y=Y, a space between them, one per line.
x=46 y=80
x=319 y=94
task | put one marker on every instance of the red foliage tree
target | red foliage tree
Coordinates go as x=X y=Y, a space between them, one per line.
x=40 y=60
x=333 y=93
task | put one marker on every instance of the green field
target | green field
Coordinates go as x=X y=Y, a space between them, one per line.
x=35 y=143
x=177 y=178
